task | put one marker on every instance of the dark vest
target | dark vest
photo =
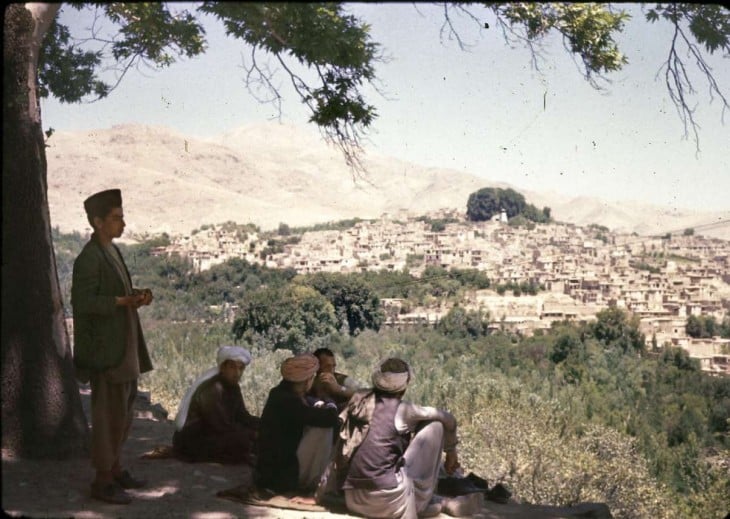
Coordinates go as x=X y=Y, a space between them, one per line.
x=380 y=455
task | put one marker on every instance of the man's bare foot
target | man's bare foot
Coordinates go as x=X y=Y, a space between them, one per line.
x=303 y=500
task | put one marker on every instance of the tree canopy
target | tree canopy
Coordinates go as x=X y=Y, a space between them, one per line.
x=288 y=318
x=356 y=305
x=705 y=326
x=487 y=202
x=617 y=328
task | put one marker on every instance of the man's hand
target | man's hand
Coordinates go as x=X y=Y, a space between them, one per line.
x=135 y=300
x=451 y=463
x=147 y=296
x=329 y=381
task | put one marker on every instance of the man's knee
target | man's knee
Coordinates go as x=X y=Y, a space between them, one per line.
x=433 y=426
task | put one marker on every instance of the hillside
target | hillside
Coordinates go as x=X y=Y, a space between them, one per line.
x=270 y=173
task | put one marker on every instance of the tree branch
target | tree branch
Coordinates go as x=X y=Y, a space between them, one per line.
x=448 y=24
x=261 y=78
x=677 y=80
x=512 y=38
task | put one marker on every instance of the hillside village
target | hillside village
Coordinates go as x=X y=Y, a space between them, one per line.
x=583 y=270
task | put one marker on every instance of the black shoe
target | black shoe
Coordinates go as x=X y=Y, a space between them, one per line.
x=126 y=480
x=110 y=493
x=477 y=481
x=498 y=493
x=452 y=486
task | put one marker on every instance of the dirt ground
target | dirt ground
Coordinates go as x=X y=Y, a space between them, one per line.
x=60 y=489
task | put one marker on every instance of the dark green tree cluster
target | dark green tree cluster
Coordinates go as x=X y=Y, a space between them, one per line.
x=181 y=293
x=276 y=245
x=523 y=287
x=435 y=282
x=464 y=324
x=437 y=224
x=616 y=328
x=356 y=306
x=484 y=204
x=339 y=225
x=706 y=326
x=289 y=318
x=231 y=281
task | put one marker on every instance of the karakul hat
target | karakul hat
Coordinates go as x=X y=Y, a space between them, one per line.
x=99 y=204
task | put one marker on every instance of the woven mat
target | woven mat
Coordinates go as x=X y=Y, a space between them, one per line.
x=262 y=497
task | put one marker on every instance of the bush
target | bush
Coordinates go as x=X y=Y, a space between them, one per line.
x=464 y=324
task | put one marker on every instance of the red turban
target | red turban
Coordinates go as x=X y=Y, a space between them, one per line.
x=300 y=367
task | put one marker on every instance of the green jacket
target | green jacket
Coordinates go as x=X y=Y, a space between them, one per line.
x=100 y=326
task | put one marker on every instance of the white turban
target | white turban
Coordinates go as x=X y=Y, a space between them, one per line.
x=391 y=382
x=233 y=353
x=236 y=353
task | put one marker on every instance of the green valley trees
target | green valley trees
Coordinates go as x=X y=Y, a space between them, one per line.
x=464 y=324
x=287 y=318
x=356 y=305
x=705 y=326
x=615 y=328
x=308 y=309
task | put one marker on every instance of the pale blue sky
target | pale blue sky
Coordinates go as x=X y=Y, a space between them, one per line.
x=486 y=111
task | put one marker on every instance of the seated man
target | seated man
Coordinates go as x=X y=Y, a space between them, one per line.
x=213 y=423
x=328 y=384
x=295 y=438
x=394 y=448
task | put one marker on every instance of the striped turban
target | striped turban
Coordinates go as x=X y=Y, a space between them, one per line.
x=299 y=367
x=391 y=382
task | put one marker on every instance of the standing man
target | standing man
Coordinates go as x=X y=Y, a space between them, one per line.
x=109 y=348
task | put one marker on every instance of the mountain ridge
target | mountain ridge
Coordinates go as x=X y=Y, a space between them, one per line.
x=270 y=173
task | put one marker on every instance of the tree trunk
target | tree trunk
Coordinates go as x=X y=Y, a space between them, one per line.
x=42 y=415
